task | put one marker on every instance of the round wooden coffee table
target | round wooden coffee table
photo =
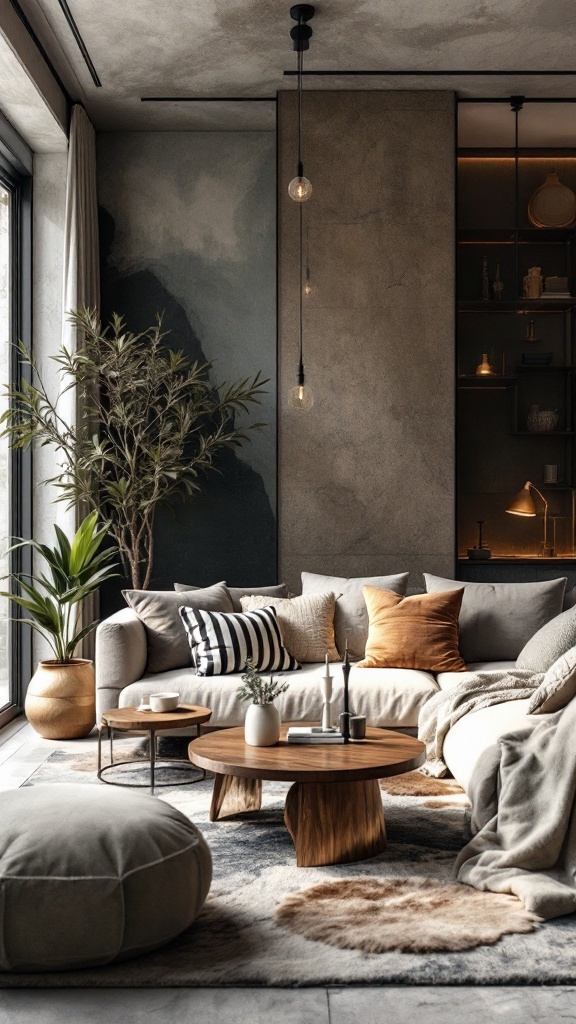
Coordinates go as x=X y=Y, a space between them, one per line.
x=151 y=722
x=334 y=809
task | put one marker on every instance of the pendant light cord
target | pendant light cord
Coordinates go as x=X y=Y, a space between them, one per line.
x=300 y=283
x=300 y=70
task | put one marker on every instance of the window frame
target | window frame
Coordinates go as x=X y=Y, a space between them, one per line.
x=18 y=180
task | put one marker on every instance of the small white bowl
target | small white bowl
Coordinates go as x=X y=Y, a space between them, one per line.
x=164 y=701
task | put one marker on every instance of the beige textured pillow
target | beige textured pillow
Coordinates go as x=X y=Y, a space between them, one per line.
x=557 y=688
x=306 y=624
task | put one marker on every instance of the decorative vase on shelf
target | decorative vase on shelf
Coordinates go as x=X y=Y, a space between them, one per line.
x=542 y=421
x=498 y=285
x=262 y=725
x=533 y=283
x=485 y=369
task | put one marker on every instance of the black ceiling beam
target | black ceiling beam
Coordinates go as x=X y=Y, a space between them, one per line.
x=435 y=74
x=208 y=99
x=80 y=42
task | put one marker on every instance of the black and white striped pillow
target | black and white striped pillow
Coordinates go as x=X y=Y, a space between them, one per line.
x=221 y=642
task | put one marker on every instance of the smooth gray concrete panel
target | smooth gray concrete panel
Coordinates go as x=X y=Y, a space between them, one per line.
x=452 y=1005
x=165 y=1006
x=366 y=478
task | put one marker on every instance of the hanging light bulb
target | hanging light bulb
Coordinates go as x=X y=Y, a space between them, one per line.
x=309 y=289
x=300 y=397
x=300 y=188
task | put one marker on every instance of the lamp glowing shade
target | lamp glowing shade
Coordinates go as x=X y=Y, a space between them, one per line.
x=300 y=398
x=522 y=504
x=300 y=189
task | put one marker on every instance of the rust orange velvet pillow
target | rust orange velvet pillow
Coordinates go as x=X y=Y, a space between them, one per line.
x=413 y=632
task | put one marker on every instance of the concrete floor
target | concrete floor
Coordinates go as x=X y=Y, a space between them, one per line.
x=22 y=751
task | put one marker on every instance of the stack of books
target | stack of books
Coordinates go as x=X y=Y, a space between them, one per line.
x=556 y=288
x=536 y=358
x=306 y=734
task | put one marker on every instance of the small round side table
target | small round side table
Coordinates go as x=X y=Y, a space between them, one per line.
x=128 y=720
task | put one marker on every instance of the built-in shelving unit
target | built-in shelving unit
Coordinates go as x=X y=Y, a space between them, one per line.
x=497 y=450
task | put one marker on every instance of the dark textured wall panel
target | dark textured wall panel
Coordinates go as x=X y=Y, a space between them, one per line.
x=366 y=478
x=188 y=227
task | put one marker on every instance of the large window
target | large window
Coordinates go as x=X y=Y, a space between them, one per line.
x=15 y=493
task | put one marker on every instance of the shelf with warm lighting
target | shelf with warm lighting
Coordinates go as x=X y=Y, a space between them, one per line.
x=485 y=382
x=516 y=305
x=507 y=236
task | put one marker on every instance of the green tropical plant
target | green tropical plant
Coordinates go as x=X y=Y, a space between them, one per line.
x=75 y=569
x=258 y=690
x=150 y=425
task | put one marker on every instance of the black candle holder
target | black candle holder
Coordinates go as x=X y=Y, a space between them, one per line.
x=345 y=714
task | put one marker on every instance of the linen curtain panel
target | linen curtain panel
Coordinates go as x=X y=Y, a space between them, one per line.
x=81 y=269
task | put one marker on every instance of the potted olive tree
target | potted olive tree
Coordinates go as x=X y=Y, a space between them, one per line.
x=151 y=427
x=60 y=702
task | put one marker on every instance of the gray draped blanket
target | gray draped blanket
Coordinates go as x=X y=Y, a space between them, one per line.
x=474 y=691
x=526 y=812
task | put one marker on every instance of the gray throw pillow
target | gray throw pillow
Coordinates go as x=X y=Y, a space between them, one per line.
x=158 y=611
x=497 y=619
x=549 y=643
x=280 y=590
x=570 y=599
x=557 y=688
x=351 y=615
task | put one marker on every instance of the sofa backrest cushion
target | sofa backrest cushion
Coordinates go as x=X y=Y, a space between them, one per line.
x=306 y=623
x=419 y=632
x=549 y=643
x=280 y=590
x=498 y=619
x=158 y=611
x=351 y=615
x=223 y=642
x=557 y=688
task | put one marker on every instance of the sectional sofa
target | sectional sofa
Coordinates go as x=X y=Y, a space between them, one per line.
x=496 y=622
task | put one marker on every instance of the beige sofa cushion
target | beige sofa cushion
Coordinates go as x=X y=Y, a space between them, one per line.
x=306 y=624
x=448 y=680
x=388 y=697
x=351 y=615
x=474 y=738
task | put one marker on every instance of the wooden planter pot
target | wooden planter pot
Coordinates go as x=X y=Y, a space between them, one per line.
x=61 y=699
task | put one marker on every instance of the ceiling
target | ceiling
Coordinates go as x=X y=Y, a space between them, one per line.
x=241 y=48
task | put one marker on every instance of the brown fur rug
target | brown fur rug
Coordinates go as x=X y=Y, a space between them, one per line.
x=411 y=915
x=417 y=784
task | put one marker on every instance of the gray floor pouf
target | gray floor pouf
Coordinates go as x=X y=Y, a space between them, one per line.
x=93 y=874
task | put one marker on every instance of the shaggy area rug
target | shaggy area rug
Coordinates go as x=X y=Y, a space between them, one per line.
x=237 y=939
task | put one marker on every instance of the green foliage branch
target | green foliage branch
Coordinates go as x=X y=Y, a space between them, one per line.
x=51 y=600
x=258 y=690
x=149 y=428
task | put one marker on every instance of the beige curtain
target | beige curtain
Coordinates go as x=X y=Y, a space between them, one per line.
x=81 y=266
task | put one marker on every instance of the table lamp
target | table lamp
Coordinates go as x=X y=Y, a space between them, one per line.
x=522 y=504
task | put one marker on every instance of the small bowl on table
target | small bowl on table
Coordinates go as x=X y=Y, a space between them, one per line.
x=164 y=701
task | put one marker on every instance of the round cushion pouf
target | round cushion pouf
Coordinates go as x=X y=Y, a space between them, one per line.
x=91 y=874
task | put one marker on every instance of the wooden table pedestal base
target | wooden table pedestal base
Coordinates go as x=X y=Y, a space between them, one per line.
x=330 y=822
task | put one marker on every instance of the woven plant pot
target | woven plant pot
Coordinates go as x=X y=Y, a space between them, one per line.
x=61 y=699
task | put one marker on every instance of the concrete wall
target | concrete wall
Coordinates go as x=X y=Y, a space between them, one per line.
x=366 y=478
x=188 y=228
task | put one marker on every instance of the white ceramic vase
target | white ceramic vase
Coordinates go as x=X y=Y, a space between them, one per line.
x=262 y=725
